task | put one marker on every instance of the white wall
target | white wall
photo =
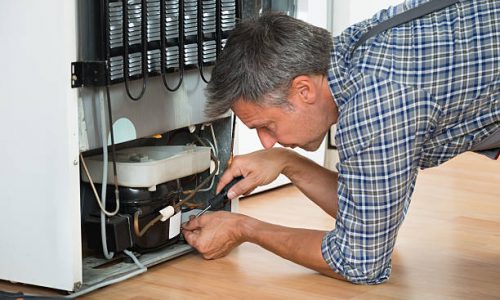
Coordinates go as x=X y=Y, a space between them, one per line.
x=313 y=11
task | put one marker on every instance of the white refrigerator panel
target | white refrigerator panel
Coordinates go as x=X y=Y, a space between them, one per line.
x=39 y=188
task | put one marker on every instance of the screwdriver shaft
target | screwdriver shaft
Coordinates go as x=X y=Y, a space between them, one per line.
x=203 y=211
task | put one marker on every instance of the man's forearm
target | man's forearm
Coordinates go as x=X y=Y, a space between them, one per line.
x=316 y=182
x=302 y=246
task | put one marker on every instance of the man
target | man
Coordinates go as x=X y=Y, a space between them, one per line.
x=411 y=97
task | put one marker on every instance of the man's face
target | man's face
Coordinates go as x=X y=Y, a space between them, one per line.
x=295 y=126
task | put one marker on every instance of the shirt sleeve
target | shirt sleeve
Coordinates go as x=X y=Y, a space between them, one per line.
x=380 y=133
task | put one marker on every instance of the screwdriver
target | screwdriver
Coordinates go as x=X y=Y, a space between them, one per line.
x=219 y=200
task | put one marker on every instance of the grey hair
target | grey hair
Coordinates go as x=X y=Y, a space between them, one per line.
x=261 y=58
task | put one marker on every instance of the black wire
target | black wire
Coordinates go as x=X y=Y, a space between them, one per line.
x=144 y=48
x=163 y=51
x=218 y=29
x=239 y=5
x=108 y=98
x=200 y=40
x=106 y=22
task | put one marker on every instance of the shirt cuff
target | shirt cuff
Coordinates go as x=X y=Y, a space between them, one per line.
x=353 y=272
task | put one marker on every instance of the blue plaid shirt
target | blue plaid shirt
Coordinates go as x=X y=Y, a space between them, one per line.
x=409 y=98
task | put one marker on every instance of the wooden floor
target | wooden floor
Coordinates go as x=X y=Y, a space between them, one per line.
x=447 y=248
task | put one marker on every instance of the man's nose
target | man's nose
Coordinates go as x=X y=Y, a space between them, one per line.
x=266 y=139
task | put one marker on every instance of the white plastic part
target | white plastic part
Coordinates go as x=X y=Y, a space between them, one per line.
x=212 y=167
x=150 y=166
x=192 y=128
x=174 y=228
x=167 y=212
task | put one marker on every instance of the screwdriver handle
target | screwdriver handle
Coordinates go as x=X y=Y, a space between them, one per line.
x=220 y=199
x=230 y=185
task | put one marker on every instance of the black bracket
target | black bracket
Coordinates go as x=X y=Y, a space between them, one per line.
x=88 y=73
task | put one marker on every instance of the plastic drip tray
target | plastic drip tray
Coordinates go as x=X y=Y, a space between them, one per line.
x=149 y=166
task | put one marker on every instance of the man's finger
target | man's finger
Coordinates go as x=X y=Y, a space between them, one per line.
x=192 y=224
x=243 y=187
x=190 y=236
x=226 y=178
x=248 y=192
x=198 y=222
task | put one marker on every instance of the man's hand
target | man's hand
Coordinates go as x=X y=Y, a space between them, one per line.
x=258 y=168
x=262 y=167
x=214 y=235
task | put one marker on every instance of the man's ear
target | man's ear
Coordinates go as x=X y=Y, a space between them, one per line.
x=303 y=87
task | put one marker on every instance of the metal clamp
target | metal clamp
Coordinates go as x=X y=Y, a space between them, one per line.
x=88 y=73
